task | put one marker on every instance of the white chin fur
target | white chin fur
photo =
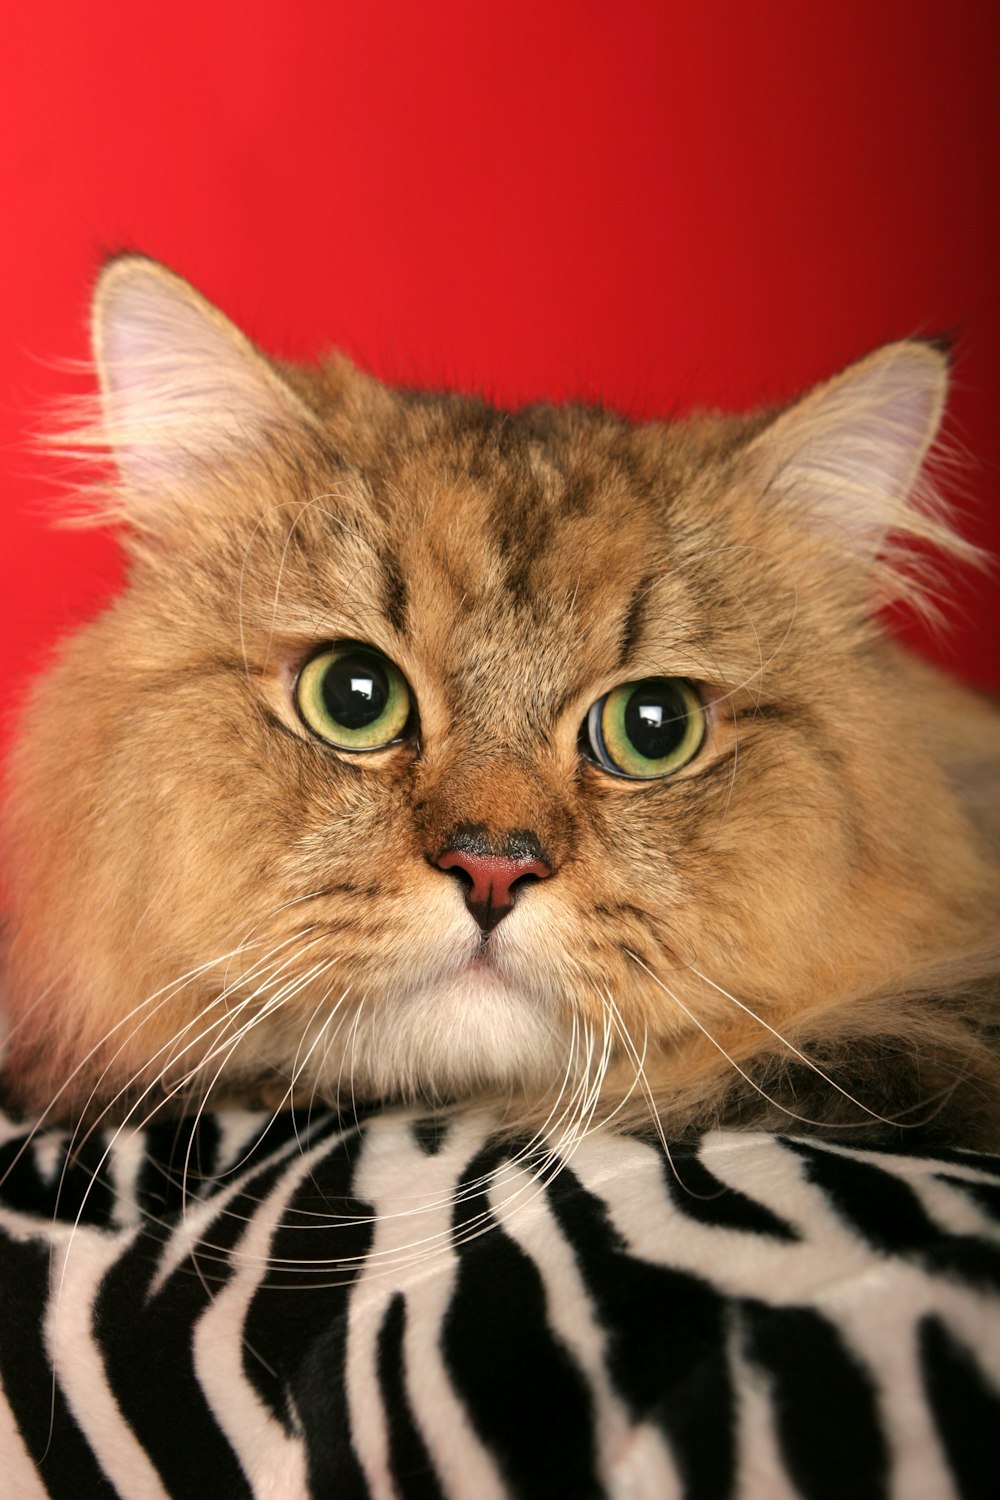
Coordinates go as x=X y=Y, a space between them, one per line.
x=463 y=1035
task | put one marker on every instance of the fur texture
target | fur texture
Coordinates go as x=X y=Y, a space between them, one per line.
x=207 y=898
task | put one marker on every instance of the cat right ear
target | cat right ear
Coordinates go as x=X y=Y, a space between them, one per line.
x=845 y=466
x=182 y=389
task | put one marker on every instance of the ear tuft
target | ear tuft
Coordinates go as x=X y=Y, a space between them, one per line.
x=181 y=387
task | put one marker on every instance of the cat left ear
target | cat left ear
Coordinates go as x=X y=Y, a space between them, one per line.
x=847 y=457
x=181 y=387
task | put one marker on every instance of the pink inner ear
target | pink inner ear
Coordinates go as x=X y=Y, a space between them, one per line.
x=181 y=386
x=891 y=436
x=850 y=453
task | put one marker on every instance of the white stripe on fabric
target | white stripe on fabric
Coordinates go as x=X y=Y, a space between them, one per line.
x=80 y=1262
x=412 y=1194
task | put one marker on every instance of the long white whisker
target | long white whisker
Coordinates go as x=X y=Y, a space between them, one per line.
x=109 y=1147
x=802 y=1056
x=168 y=990
x=228 y=1048
x=775 y=1103
x=169 y=1047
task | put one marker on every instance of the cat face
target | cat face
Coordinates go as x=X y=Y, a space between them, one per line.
x=433 y=749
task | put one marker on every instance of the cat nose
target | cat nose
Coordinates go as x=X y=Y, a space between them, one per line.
x=491 y=879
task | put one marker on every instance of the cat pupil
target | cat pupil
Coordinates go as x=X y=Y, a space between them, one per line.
x=355 y=692
x=655 y=720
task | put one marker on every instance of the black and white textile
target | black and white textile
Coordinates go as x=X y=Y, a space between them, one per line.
x=411 y=1308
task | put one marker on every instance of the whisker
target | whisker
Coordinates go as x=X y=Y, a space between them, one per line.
x=642 y=1079
x=168 y=991
x=170 y=1046
x=110 y=1145
x=795 y=1051
x=419 y=1249
x=275 y=1002
x=775 y=1103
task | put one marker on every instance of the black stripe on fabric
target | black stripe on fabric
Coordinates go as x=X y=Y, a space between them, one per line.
x=666 y=1333
x=161 y=1397
x=179 y=1161
x=64 y=1460
x=888 y=1214
x=523 y=1392
x=966 y=1410
x=825 y=1406
x=79 y=1188
x=430 y=1134
x=702 y=1196
x=410 y=1463
x=295 y=1333
x=183 y=1158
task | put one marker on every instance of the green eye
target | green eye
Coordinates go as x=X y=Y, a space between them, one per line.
x=353 y=697
x=646 y=729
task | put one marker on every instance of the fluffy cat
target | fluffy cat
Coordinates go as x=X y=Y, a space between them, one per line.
x=440 y=752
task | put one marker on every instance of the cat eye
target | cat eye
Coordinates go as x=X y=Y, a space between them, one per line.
x=354 y=698
x=646 y=729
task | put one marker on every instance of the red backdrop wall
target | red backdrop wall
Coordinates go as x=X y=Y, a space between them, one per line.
x=655 y=203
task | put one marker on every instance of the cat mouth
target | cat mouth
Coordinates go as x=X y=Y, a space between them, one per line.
x=483 y=966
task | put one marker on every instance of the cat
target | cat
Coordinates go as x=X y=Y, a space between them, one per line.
x=442 y=753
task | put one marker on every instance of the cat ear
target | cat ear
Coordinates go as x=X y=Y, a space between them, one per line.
x=847 y=457
x=181 y=386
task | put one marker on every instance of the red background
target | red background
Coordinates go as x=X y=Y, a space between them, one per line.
x=654 y=203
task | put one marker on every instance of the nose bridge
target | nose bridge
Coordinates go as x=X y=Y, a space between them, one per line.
x=501 y=799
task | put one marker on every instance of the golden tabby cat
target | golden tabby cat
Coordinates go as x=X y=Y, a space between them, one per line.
x=439 y=751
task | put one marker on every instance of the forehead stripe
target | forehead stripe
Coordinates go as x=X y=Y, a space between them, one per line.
x=394 y=595
x=633 y=621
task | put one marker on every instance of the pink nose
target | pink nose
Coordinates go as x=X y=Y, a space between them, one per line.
x=490 y=881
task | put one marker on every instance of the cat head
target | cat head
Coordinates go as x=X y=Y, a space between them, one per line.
x=433 y=748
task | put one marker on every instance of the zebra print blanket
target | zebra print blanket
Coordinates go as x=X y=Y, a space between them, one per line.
x=404 y=1307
